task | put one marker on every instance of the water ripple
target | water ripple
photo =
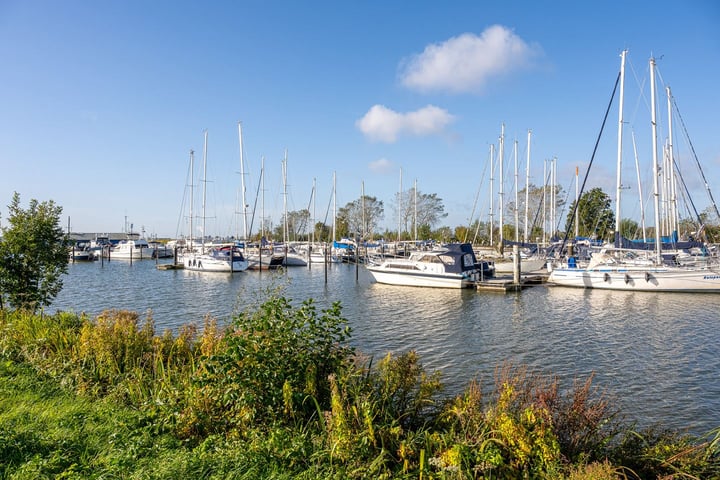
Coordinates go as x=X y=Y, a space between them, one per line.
x=657 y=354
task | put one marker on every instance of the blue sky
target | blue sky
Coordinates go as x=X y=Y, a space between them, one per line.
x=101 y=102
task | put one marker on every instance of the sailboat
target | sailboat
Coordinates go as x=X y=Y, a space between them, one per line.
x=259 y=255
x=622 y=269
x=218 y=258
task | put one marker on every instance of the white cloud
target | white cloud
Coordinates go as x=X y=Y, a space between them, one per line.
x=468 y=62
x=384 y=125
x=382 y=165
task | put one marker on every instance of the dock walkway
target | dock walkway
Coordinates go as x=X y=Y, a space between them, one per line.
x=505 y=284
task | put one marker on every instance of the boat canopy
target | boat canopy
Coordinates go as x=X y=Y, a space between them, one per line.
x=458 y=257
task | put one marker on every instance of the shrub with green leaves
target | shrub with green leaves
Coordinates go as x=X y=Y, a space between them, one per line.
x=273 y=366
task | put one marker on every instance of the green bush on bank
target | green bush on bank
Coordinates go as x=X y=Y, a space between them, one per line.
x=279 y=393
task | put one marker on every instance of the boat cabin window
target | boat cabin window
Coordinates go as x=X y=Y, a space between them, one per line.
x=468 y=260
x=447 y=259
x=430 y=259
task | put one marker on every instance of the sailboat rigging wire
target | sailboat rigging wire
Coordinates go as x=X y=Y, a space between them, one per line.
x=688 y=198
x=182 y=204
x=477 y=195
x=541 y=203
x=257 y=194
x=697 y=161
x=592 y=159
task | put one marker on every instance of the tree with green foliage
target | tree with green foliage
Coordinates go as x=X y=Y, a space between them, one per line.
x=539 y=200
x=418 y=208
x=361 y=216
x=33 y=255
x=596 y=217
x=298 y=223
x=629 y=228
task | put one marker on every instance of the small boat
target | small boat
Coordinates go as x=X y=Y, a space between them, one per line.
x=263 y=259
x=80 y=252
x=320 y=255
x=290 y=256
x=138 y=249
x=224 y=258
x=100 y=246
x=527 y=265
x=450 y=266
x=161 y=250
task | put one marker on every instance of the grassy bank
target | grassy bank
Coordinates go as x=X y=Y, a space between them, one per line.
x=279 y=393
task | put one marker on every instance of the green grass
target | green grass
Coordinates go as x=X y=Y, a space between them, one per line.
x=46 y=432
x=278 y=396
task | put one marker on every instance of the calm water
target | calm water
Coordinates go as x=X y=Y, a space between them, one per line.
x=658 y=354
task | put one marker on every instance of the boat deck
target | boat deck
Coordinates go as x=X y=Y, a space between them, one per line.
x=170 y=266
x=505 y=284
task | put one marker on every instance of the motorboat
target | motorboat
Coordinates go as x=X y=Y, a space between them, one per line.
x=137 y=249
x=449 y=266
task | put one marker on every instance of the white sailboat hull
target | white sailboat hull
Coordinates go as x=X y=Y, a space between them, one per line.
x=639 y=279
x=210 y=263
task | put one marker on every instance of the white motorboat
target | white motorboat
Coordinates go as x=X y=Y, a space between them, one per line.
x=138 y=249
x=450 y=266
x=80 y=252
x=225 y=258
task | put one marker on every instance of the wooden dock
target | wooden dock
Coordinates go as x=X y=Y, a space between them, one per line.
x=170 y=266
x=505 y=283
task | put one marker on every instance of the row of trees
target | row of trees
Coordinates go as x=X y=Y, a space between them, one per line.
x=419 y=212
x=34 y=248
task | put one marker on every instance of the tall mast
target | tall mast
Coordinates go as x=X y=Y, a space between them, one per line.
x=192 y=163
x=285 y=222
x=400 y=206
x=262 y=198
x=415 y=202
x=653 y=121
x=618 y=218
x=334 y=206
x=314 y=217
x=671 y=158
x=242 y=183
x=492 y=194
x=517 y=220
x=527 y=189
x=362 y=197
x=577 y=201
x=640 y=190
x=553 y=194
x=544 y=200
x=501 y=192
x=202 y=248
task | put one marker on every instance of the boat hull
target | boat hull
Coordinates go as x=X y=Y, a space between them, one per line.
x=526 y=266
x=266 y=262
x=420 y=279
x=640 y=279
x=211 y=263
